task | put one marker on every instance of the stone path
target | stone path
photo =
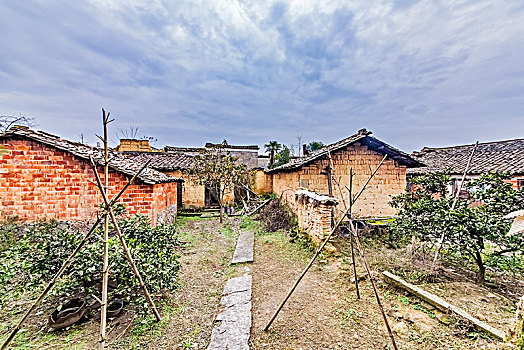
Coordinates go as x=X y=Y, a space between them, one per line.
x=233 y=323
x=244 y=250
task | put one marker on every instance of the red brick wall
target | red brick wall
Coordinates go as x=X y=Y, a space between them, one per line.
x=38 y=182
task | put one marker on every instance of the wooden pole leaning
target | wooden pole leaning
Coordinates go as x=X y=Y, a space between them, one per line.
x=354 y=236
x=317 y=253
x=67 y=263
x=351 y=233
x=124 y=245
x=105 y=258
x=364 y=262
x=455 y=200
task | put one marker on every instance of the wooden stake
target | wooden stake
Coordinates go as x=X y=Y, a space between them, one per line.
x=443 y=236
x=318 y=252
x=361 y=251
x=68 y=261
x=124 y=245
x=354 y=234
x=105 y=268
x=351 y=238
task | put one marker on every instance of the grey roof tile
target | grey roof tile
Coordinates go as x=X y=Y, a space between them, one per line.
x=163 y=161
x=505 y=155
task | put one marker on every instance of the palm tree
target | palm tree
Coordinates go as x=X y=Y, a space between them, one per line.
x=272 y=147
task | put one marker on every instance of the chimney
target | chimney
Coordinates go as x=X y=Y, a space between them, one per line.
x=134 y=145
x=304 y=150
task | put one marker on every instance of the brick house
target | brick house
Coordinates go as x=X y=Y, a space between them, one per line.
x=503 y=156
x=176 y=161
x=43 y=176
x=360 y=152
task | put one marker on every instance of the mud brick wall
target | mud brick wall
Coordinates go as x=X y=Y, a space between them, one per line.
x=314 y=214
x=37 y=182
x=192 y=193
x=389 y=181
x=134 y=145
x=263 y=182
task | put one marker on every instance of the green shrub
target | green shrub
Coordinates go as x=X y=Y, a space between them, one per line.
x=40 y=253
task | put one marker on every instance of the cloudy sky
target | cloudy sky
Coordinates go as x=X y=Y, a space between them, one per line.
x=416 y=73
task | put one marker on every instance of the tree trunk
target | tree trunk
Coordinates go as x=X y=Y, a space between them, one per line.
x=220 y=212
x=271 y=159
x=481 y=274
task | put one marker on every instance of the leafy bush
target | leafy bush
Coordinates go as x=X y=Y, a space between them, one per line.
x=40 y=253
x=8 y=233
x=472 y=226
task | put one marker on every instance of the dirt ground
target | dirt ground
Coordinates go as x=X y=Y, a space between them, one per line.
x=323 y=313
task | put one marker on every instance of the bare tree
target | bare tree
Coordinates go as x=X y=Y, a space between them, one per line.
x=218 y=170
x=132 y=133
x=7 y=121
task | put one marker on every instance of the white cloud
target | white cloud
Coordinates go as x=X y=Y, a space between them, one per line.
x=255 y=70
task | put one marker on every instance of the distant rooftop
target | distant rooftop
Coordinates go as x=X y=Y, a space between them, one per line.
x=507 y=155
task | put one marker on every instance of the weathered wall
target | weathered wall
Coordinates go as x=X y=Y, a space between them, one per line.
x=263 y=183
x=133 y=145
x=192 y=193
x=314 y=214
x=389 y=181
x=249 y=158
x=39 y=182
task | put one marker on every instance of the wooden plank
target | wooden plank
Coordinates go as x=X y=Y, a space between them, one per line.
x=443 y=305
x=244 y=250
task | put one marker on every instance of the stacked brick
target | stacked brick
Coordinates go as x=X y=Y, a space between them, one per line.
x=38 y=181
x=314 y=213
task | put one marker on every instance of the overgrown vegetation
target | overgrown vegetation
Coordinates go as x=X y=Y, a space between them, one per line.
x=43 y=247
x=474 y=230
x=276 y=215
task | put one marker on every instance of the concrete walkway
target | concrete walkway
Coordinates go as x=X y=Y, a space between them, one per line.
x=233 y=323
x=244 y=250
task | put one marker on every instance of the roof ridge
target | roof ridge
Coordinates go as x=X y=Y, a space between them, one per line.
x=468 y=145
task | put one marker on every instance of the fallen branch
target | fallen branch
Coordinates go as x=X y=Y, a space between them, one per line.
x=258 y=208
x=443 y=305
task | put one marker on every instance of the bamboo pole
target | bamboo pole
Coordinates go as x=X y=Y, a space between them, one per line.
x=369 y=179
x=105 y=268
x=361 y=251
x=124 y=245
x=317 y=253
x=351 y=238
x=455 y=200
x=350 y=189
x=68 y=261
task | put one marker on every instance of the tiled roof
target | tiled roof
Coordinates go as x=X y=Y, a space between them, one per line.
x=163 y=161
x=182 y=149
x=363 y=137
x=117 y=161
x=489 y=156
x=227 y=146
